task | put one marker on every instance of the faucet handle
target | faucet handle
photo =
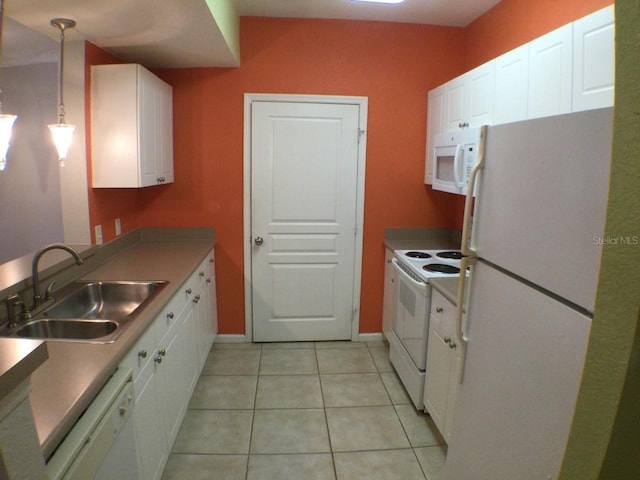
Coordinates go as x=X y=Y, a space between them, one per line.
x=15 y=307
x=48 y=295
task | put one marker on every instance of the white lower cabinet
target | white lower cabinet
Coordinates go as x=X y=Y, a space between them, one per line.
x=389 y=299
x=443 y=358
x=166 y=362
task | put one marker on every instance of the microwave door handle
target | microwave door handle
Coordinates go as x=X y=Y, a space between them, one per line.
x=457 y=167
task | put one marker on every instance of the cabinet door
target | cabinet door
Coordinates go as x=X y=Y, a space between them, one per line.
x=212 y=298
x=203 y=322
x=452 y=390
x=435 y=125
x=151 y=446
x=148 y=119
x=172 y=388
x=550 y=73
x=389 y=300
x=481 y=85
x=164 y=130
x=455 y=113
x=191 y=357
x=512 y=78
x=436 y=386
x=594 y=60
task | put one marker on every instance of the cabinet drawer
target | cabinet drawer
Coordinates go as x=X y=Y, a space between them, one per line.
x=141 y=353
x=443 y=314
x=169 y=315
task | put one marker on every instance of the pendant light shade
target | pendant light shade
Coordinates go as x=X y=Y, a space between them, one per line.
x=62 y=132
x=6 y=121
x=6 y=125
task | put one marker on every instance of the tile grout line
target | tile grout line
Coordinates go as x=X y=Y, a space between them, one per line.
x=253 y=415
x=326 y=420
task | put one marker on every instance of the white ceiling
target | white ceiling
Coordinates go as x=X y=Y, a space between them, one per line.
x=183 y=33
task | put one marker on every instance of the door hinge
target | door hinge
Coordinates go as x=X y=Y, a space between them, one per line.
x=360 y=134
x=354 y=313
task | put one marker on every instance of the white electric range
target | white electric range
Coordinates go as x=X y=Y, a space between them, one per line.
x=409 y=337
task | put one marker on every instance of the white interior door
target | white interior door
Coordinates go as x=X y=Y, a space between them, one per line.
x=304 y=177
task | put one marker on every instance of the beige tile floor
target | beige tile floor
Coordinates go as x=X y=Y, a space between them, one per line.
x=323 y=410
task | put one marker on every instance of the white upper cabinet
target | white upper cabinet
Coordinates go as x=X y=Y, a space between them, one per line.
x=594 y=60
x=469 y=98
x=512 y=85
x=435 y=125
x=481 y=92
x=131 y=127
x=550 y=73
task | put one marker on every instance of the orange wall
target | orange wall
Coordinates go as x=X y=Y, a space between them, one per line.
x=105 y=204
x=512 y=23
x=394 y=65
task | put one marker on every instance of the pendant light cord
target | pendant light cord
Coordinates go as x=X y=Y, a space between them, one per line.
x=60 y=89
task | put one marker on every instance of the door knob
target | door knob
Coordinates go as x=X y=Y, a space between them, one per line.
x=259 y=241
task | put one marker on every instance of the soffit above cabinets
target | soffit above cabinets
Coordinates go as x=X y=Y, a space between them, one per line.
x=205 y=33
x=454 y=13
x=155 y=33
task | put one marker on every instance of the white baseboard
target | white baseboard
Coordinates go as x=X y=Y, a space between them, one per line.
x=370 y=337
x=228 y=338
x=362 y=337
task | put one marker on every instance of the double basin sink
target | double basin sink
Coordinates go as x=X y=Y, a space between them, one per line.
x=96 y=312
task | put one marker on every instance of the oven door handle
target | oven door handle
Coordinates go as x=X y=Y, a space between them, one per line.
x=406 y=276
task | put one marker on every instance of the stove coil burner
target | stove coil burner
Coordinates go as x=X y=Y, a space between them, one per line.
x=441 y=268
x=417 y=255
x=452 y=255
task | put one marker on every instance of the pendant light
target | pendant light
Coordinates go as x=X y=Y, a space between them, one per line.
x=62 y=132
x=6 y=121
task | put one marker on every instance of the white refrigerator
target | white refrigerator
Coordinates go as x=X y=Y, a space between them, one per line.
x=535 y=248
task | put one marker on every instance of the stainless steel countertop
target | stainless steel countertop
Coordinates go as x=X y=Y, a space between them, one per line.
x=67 y=382
x=18 y=359
x=447 y=287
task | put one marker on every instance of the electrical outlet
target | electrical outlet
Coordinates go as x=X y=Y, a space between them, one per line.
x=99 y=234
x=118 y=227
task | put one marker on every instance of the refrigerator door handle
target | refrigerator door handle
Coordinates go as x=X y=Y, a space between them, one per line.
x=457 y=167
x=460 y=309
x=467 y=246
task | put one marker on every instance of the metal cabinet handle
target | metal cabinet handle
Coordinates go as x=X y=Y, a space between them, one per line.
x=463 y=124
x=189 y=291
x=208 y=280
x=259 y=241
x=196 y=299
x=170 y=315
x=447 y=340
x=158 y=359
x=452 y=345
x=162 y=352
x=439 y=309
x=201 y=274
x=211 y=260
x=142 y=354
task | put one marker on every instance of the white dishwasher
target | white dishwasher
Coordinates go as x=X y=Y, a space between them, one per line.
x=101 y=445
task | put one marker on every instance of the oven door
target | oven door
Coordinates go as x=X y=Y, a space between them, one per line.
x=412 y=316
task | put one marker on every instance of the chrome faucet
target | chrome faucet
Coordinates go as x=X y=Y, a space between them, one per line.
x=35 y=277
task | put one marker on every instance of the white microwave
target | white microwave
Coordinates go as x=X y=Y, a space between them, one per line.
x=454 y=154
